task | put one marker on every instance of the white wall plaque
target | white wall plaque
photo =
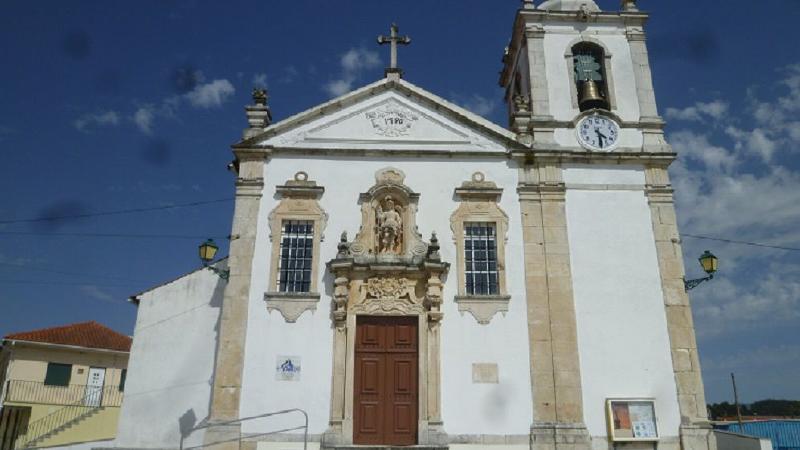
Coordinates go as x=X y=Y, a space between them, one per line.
x=485 y=373
x=287 y=368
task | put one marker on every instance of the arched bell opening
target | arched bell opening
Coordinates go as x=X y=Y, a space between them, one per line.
x=590 y=77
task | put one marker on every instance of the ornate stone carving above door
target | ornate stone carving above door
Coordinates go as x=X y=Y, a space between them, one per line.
x=388 y=295
x=388 y=220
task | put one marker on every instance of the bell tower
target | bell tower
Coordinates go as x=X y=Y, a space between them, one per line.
x=579 y=95
x=568 y=59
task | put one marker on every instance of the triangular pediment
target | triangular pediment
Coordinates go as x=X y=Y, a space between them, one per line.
x=387 y=115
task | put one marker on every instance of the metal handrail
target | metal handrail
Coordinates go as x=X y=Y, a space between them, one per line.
x=37 y=392
x=304 y=427
x=46 y=425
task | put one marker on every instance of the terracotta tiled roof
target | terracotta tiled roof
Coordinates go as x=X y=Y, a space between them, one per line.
x=85 y=334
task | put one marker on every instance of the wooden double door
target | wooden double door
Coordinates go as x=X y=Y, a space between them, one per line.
x=386 y=380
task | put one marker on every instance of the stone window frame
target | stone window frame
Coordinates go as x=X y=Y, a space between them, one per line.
x=573 y=88
x=474 y=275
x=479 y=202
x=299 y=200
x=295 y=234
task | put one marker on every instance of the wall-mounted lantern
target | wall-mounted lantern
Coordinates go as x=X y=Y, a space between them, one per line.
x=208 y=250
x=709 y=263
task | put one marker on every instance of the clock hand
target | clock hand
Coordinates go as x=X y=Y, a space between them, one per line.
x=600 y=137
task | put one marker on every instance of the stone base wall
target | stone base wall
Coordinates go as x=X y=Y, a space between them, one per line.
x=560 y=436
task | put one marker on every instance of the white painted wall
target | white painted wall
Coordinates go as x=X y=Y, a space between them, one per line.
x=622 y=329
x=171 y=362
x=734 y=441
x=503 y=408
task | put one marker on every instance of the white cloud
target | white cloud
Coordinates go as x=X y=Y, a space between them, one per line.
x=355 y=60
x=794 y=131
x=97 y=293
x=715 y=110
x=791 y=102
x=747 y=205
x=211 y=94
x=260 y=80
x=339 y=87
x=755 y=141
x=728 y=306
x=353 y=63
x=758 y=358
x=478 y=104
x=86 y=121
x=143 y=118
x=774 y=118
x=721 y=193
x=206 y=95
x=697 y=147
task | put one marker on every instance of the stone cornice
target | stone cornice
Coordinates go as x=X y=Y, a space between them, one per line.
x=300 y=191
x=581 y=156
x=542 y=192
x=628 y=18
x=249 y=187
x=479 y=193
x=477 y=188
x=251 y=153
x=300 y=187
x=645 y=123
x=371 y=264
x=383 y=152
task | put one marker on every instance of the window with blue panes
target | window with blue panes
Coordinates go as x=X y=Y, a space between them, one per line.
x=480 y=257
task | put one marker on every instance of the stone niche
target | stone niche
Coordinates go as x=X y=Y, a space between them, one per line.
x=387 y=269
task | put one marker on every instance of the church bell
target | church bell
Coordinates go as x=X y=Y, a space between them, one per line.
x=591 y=97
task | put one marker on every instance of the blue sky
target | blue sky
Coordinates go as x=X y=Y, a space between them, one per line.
x=109 y=106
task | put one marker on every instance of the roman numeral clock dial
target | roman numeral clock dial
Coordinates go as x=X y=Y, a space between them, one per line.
x=598 y=133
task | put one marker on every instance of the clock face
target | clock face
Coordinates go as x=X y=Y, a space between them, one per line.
x=598 y=132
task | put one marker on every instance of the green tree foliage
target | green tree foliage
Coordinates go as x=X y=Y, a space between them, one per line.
x=776 y=408
x=769 y=407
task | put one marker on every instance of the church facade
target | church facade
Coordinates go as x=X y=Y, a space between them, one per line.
x=408 y=273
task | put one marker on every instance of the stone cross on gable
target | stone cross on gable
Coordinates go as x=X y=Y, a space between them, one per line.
x=394 y=40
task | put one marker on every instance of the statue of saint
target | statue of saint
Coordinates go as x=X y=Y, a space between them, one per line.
x=390 y=226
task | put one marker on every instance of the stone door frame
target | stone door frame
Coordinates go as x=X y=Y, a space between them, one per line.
x=371 y=281
x=429 y=422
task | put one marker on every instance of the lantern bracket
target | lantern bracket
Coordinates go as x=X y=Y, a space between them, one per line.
x=225 y=274
x=691 y=284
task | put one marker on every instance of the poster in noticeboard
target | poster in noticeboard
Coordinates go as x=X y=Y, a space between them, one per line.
x=632 y=420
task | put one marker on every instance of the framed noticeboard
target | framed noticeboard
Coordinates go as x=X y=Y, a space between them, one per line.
x=631 y=419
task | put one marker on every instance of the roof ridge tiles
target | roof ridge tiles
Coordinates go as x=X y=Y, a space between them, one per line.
x=88 y=334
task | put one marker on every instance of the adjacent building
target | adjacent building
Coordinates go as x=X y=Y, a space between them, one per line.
x=61 y=385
